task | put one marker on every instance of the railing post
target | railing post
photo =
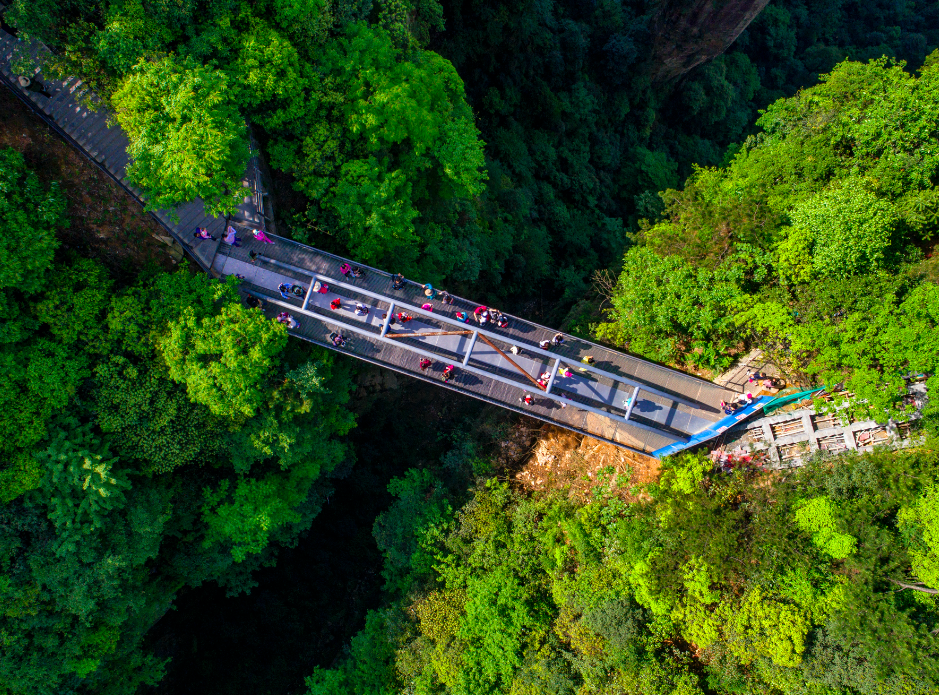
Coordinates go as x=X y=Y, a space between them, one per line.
x=554 y=373
x=469 y=350
x=384 y=326
x=632 y=401
x=306 y=300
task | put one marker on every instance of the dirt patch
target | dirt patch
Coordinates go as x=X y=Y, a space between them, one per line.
x=105 y=223
x=562 y=460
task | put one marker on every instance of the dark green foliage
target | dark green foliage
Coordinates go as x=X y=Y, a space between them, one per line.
x=707 y=581
x=30 y=215
x=118 y=485
x=160 y=429
x=421 y=504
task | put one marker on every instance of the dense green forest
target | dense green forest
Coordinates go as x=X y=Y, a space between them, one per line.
x=159 y=437
x=710 y=583
x=382 y=138
x=155 y=435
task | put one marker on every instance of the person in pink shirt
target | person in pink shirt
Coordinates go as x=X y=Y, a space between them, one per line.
x=261 y=236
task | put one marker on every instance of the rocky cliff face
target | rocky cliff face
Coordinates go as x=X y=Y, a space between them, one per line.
x=686 y=33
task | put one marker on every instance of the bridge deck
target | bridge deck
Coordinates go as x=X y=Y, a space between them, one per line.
x=619 y=398
x=671 y=406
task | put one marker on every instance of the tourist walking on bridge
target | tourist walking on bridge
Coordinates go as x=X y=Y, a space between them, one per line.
x=33 y=86
x=231 y=237
x=397 y=281
x=424 y=364
x=448 y=373
x=261 y=236
x=201 y=233
x=288 y=320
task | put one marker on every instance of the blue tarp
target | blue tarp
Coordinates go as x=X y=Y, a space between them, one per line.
x=786 y=399
x=715 y=429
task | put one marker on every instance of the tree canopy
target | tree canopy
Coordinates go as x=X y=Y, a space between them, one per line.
x=807 y=244
x=156 y=434
x=187 y=139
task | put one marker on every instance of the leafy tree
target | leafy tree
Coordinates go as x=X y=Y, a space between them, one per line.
x=847 y=160
x=817 y=516
x=81 y=487
x=771 y=628
x=664 y=308
x=29 y=212
x=920 y=523
x=872 y=344
x=224 y=359
x=421 y=503
x=383 y=136
x=75 y=303
x=839 y=232
x=187 y=139
x=150 y=421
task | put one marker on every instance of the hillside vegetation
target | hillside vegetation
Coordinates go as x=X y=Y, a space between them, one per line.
x=158 y=436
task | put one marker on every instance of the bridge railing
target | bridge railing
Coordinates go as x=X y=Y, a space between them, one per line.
x=558 y=360
x=528 y=347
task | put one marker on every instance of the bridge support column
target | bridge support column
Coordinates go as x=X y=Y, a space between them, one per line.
x=469 y=350
x=384 y=326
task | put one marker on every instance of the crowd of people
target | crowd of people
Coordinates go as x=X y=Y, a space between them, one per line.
x=754 y=379
x=482 y=315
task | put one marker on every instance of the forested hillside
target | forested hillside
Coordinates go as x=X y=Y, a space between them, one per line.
x=155 y=435
x=705 y=583
x=158 y=436
x=580 y=139
x=516 y=155
x=810 y=243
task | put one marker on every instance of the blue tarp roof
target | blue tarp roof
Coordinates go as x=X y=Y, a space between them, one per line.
x=715 y=429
